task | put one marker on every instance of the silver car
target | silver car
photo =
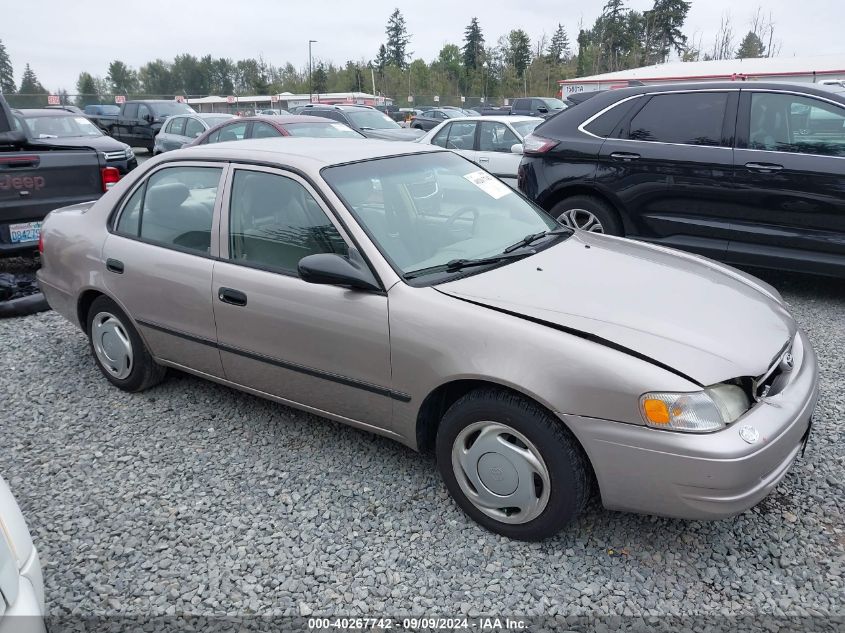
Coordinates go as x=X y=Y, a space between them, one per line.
x=178 y=131
x=534 y=361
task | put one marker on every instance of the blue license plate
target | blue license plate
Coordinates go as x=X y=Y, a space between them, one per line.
x=24 y=232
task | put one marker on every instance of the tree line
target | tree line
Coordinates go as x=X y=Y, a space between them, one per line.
x=513 y=64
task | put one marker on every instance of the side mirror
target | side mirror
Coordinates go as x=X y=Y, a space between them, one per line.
x=148 y=118
x=332 y=269
x=517 y=148
x=543 y=110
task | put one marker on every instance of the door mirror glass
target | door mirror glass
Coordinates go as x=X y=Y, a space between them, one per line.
x=543 y=110
x=328 y=268
x=516 y=148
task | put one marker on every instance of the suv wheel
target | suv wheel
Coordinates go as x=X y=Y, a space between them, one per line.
x=118 y=349
x=588 y=214
x=510 y=465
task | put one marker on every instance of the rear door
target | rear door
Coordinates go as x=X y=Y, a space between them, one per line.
x=159 y=258
x=174 y=133
x=790 y=172
x=669 y=166
x=193 y=129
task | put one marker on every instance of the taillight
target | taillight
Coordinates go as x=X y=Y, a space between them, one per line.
x=41 y=241
x=533 y=144
x=110 y=176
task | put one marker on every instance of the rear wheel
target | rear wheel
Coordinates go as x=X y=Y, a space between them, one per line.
x=510 y=465
x=118 y=349
x=588 y=214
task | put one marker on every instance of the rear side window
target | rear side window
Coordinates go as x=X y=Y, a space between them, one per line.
x=606 y=124
x=520 y=104
x=175 y=207
x=130 y=110
x=193 y=128
x=461 y=135
x=693 y=118
x=264 y=130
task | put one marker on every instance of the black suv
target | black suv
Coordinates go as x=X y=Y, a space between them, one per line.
x=537 y=106
x=750 y=173
x=364 y=119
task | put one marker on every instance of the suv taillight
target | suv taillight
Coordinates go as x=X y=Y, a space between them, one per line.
x=534 y=144
x=41 y=241
x=110 y=176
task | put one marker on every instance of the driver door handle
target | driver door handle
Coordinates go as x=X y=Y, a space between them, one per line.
x=764 y=168
x=232 y=296
x=627 y=156
x=483 y=159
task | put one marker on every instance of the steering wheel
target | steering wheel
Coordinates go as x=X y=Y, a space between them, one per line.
x=462 y=211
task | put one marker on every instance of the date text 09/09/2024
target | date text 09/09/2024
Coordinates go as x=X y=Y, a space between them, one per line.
x=418 y=623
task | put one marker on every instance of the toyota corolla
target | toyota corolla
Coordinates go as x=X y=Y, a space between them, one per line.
x=537 y=362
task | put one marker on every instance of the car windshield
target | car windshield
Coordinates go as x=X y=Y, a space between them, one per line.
x=319 y=129
x=425 y=211
x=61 y=126
x=211 y=121
x=169 y=108
x=524 y=128
x=554 y=104
x=372 y=119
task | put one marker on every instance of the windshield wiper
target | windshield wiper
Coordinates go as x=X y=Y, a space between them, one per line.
x=458 y=264
x=529 y=239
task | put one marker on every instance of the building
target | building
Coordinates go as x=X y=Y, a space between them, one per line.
x=283 y=101
x=821 y=69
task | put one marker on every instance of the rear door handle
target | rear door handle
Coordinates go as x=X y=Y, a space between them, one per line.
x=483 y=159
x=115 y=266
x=624 y=156
x=764 y=168
x=232 y=296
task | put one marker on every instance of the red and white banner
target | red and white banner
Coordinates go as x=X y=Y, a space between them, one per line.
x=53 y=100
x=180 y=99
x=119 y=99
x=230 y=99
x=274 y=98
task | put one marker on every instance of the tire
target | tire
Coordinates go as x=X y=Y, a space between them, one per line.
x=487 y=420
x=588 y=213
x=113 y=333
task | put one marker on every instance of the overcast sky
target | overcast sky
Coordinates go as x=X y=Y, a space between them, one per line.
x=59 y=39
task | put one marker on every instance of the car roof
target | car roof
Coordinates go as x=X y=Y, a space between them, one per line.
x=724 y=85
x=503 y=118
x=45 y=112
x=206 y=115
x=308 y=153
x=283 y=119
x=339 y=106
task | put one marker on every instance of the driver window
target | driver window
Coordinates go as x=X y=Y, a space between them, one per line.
x=496 y=137
x=274 y=222
x=795 y=124
x=143 y=110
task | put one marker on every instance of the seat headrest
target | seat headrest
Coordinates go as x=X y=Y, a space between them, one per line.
x=167 y=195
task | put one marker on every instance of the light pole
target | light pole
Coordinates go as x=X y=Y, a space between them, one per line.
x=310 y=85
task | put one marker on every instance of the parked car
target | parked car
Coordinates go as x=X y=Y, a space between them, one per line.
x=750 y=174
x=463 y=111
x=67 y=108
x=272 y=126
x=59 y=127
x=36 y=178
x=21 y=583
x=273 y=111
x=530 y=357
x=495 y=143
x=429 y=119
x=580 y=97
x=491 y=110
x=364 y=119
x=140 y=121
x=537 y=106
x=181 y=130
x=102 y=110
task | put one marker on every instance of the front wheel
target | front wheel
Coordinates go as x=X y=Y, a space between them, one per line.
x=588 y=214
x=118 y=349
x=510 y=465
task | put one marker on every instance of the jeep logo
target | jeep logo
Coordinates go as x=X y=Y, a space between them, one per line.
x=21 y=183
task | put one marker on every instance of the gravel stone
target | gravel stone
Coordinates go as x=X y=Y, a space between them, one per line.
x=193 y=498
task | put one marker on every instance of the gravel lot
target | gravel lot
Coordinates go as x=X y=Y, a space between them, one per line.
x=194 y=498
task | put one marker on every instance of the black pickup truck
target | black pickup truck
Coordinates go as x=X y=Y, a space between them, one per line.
x=35 y=179
x=139 y=121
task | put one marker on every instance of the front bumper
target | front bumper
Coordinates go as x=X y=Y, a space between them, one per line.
x=703 y=476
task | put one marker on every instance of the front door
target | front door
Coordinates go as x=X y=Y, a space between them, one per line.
x=495 y=140
x=790 y=173
x=669 y=164
x=159 y=262
x=322 y=346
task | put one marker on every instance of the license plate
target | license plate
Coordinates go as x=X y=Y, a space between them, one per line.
x=25 y=232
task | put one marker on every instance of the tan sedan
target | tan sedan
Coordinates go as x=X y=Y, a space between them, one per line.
x=400 y=289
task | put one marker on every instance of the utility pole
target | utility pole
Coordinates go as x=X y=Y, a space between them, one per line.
x=310 y=84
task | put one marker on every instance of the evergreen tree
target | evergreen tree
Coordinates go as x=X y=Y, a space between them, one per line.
x=473 y=49
x=86 y=89
x=663 y=33
x=751 y=46
x=559 y=46
x=7 y=75
x=397 y=40
x=122 y=79
x=320 y=79
x=519 y=49
x=156 y=79
x=583 y=44
x=381 y=58
x=31 y=87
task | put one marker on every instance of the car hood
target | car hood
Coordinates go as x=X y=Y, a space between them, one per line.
x=405 y=134
x=100 y=143
x=703 y=320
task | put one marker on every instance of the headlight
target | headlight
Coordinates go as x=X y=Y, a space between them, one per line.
x=696 y=412
x=130 y=153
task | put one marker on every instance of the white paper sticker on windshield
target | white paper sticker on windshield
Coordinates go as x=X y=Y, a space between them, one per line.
x=82 y=120
x=340 y=126
x=488 y=184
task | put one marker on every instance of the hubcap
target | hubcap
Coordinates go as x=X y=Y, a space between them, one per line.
x=112 y=345
x=501 y=472
x=581 y=219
